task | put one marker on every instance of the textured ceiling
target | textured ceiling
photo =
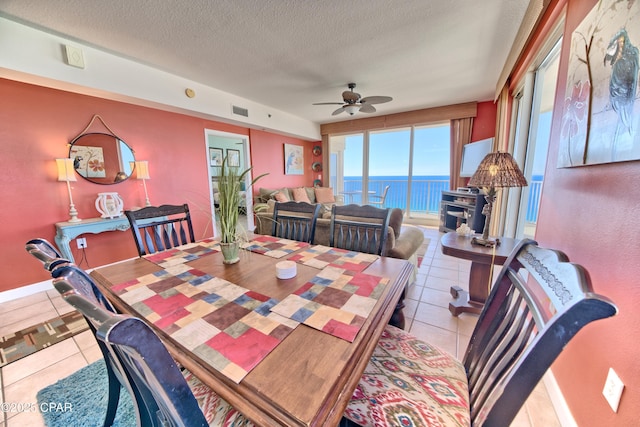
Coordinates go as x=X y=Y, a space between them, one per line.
x=288 y=54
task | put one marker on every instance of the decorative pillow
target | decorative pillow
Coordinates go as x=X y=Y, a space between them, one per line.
x=300 y=195
x=280 y=196
x=324 y=195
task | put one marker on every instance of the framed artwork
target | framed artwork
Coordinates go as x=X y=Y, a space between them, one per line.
x=215 y=156
x=601 y=112
x=293 y=159
x=233 y=157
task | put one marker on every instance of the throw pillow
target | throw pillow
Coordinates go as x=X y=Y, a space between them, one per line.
x=281 y=197
x=324 y=195
x=300 y=195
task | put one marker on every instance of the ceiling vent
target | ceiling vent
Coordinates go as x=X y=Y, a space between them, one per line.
x=240 y=111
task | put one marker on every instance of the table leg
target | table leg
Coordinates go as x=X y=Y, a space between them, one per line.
x=472 y=301
x=397 y=318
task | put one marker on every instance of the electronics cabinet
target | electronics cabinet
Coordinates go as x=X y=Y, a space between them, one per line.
x=457 y=207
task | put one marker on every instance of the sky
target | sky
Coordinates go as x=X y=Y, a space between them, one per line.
x=390 y=155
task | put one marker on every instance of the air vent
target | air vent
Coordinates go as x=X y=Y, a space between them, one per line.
x=240 y=111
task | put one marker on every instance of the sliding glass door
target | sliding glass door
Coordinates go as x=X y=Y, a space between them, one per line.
x=413 y=162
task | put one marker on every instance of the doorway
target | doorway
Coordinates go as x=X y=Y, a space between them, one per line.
x=221 y=144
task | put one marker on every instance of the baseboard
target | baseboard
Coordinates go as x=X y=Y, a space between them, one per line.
x=557 y=400
x=25 y=291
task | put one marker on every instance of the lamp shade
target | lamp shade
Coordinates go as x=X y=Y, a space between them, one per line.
x=66 y=171
x=142 y=169
x=498 y=170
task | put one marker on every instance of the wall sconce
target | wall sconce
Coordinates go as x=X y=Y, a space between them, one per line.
x=142 y=172
x=67 y=173
x=497 y=170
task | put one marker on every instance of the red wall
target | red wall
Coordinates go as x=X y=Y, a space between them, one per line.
x=484 y=124
x=590 y=213
x=37 y=123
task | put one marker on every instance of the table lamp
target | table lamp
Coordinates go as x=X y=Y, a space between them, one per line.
x=142 y=172
x=496 y=170
x=67 y=173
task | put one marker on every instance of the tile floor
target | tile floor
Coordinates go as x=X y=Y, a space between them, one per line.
x=426 y=313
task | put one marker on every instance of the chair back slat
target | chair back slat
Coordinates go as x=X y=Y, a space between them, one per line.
x=159 y=228
x=537 y=304
x=359 y=228
x=295 y=221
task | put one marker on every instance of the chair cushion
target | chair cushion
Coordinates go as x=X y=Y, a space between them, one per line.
x=410 y=382
x=216 y=410
x=300 y=195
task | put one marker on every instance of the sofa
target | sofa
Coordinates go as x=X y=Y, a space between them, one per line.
x=322 y=195
x=400 y=243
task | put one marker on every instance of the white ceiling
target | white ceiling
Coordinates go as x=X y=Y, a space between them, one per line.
x=288 y=54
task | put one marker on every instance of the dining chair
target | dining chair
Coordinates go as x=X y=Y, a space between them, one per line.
x=164 y=395
x=44 y=251
x=157 y=228
x=70 y=279
x=538 y=303
x=359 y=228
x=379 y=199
x=295 y=220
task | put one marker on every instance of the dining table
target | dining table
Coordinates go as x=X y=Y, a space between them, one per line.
x=300 y=372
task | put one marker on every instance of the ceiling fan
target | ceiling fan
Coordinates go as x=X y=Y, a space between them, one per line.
x=352 y=103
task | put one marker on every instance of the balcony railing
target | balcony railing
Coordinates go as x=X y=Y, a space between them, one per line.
x=425 y=194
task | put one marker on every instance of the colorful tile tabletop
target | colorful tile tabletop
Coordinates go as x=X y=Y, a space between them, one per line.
x=319 y=256
x=229 y=327
x=184 y=253
x=274 y=247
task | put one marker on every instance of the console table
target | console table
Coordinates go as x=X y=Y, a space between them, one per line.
x=67 y=231
x=482 y=261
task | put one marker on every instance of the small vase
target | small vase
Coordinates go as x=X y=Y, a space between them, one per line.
x=230 y=252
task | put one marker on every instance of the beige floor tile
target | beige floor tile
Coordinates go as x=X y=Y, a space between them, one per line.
x=85 y=340
x=410 y=307
x=26 y=316
x=414 y=292
x=449 y=264
x=30 y=419
x=436 y=297
x=440 y=284
x=436 y=316
x=30 y=365
x=25 y=391
x=444 y=273
x=466 y=323
x=92 y=354
x=8 y=306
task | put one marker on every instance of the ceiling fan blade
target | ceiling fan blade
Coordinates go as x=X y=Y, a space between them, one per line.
x=368 y=108
x=375 y=99
x=328 y=103
x=338 y=111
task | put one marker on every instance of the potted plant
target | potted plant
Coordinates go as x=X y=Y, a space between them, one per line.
x=230 y=179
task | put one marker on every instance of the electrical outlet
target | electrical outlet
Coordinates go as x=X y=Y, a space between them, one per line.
x=613 y=389
x=82 y=243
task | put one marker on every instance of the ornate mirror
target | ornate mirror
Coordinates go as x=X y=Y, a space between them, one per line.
x=102 y=158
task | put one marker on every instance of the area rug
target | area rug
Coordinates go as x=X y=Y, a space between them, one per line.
x=27 y=341
x=80 y=400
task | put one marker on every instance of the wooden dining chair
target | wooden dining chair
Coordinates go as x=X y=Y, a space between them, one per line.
x=359 y=228
x=538 y=304
x=163 y=394
x=44 y=251
x=157 y=228
x=379 y=199
x=295 y=220
x=70 y=279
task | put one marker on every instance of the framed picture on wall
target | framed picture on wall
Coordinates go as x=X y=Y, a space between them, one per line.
x=233 y=157
x=293 y=160
x=215 y=156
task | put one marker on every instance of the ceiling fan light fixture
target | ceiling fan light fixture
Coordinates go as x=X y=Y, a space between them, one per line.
x=352 y=109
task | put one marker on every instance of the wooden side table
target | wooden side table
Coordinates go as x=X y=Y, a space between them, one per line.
x=482 y=261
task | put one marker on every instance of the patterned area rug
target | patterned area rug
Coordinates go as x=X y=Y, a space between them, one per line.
x=27 y=341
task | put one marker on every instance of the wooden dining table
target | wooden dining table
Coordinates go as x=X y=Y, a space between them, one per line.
x=309 y=377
